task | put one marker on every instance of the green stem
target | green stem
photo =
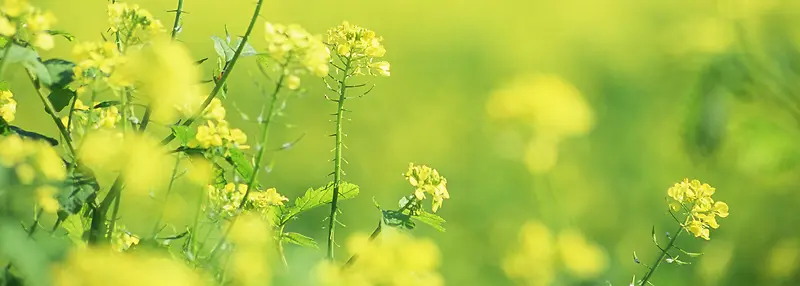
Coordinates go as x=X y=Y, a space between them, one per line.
x=337 y=160
x=225 y=74
x=192 y=243
x=280 y=248
x=663 y=254
x=176 y=24
x=372 y=237
x=262 y=145
x=48 y=107
x=166 y=197
x=116 y=188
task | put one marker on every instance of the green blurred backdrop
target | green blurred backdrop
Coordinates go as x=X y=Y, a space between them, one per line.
x=682 y=88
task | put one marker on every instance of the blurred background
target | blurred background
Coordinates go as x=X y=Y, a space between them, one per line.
x=575 y=115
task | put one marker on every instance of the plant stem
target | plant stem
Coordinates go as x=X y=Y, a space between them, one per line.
x=280 y=248
x=262 y=145
x=176 y=24
x=663 y=254
x=116 y=188
x=337 y=160
x=48 y=107
x=225 y=73
x=372 y=237
x=166 y=197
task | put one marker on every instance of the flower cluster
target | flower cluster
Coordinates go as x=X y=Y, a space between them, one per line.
x=23 y=21
x=298 y=50
x=358 y=48
x=94 y=266
x=95 y=118
x=394 y=258
x=539 y=246
x=123 y=239
x=95 y=60
x=134 y=24
x=694 y=198
x=427 y=180
x=250 y=259
x=34 y=161
x=8 y=106
x=227 y=199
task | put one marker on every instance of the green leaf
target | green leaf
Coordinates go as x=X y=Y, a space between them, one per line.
x=239 y=161
x=61 y=72
x=20 y=54
x=64 y=34
x=248 y=49
x=397 y=219
x=26 y=254
x=39 y=70
x=32 y=135
x=75 y=227
x=107 y=103
x=184 y=134
x=300 y=240
x=321 y=196
x=430 y=219
x=60 y=97
x=223 y=49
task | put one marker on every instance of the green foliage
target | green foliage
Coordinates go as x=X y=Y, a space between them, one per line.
x=317 y=197
x=184 y=134
x=28 y=255
x=299 y=239
x=226 y=51
x=241 y=164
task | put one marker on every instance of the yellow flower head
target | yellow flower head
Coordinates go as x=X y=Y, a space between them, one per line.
x=360 y=46
x=31 y=160
x=8 y=106
x=137 y=23
x=291 y=45
x=695 y=200
x=427 y=180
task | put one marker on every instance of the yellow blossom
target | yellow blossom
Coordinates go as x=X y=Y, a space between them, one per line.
x=361 y=46
x=293 y=82
x=7 y=28
x=428 y=180
x=45 y=198
x=8 y=106
x=696 y=197
x=536 y=248
x=287 y=44
x=14 y=8
x=215 y=110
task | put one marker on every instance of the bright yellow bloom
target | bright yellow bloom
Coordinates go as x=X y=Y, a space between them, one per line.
x=31 y=160
x=361 y=46
x=228 y=199
x=215 y=110
x=428 y=180
x=43 y=41
x=293 y=82
x=287 y=44
x=50 y=164
x=8 y=106
x=695 y=197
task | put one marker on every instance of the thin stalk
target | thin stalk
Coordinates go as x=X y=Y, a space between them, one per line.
x=372 y=237
x=280 y=248
x=177 y=23
x=259 y=156
x=663 y=254
x=192 y=240
x=116 y=188
x=337 y=160
x=48 y=107
x=166 y=197
x=225 y=73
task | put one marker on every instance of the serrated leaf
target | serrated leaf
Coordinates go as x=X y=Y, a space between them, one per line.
x=299 y=239
x=321 y=196
x=430 y=219
x=75 y=228
x=222 y=48
x=60 y=97
x=248 y=49
x=397 y=219
x=61 y=72
x=184 y=134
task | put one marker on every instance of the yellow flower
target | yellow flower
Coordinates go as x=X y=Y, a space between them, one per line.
x=702 y=209
x=721 y=209
x=25 y=173
x=46 y=200
x=51 y=165
x=581 y=258
x=44 y=41
x=8 y=106
x=293 y=82
x=215 y=110
x=381 y=67
x=40 y=22
x=287 y=44
x=361 y=46
x=7 y=28
x=428 y=180
x=536 y=247
x=14 y=8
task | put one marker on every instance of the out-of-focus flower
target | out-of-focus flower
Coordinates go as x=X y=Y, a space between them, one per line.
x=298 y=50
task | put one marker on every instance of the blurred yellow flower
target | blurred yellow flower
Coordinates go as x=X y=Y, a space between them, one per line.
x=101 y=266
x=582 y=258
x=393 y=258
x=14 y=8
x=291 y=43
x=7 y=28
x=46 y=200
x=532 y=262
